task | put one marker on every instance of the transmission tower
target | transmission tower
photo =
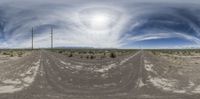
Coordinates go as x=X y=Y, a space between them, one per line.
x=51 y=37
x=32 y=38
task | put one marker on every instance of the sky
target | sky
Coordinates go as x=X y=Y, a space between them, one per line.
x=100 y=23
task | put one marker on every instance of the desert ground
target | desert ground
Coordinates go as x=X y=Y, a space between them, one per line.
x=99 y=74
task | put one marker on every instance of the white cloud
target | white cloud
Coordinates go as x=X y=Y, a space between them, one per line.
x=64 y=15
x=152 y=36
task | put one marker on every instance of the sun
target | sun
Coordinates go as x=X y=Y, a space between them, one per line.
x=98 y=19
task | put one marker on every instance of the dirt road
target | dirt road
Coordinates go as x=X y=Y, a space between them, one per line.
x=48 y=75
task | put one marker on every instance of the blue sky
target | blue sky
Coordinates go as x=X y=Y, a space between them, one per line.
x=100 y=24
x=161 y=43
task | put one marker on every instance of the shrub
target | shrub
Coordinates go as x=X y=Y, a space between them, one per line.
x=4 y=53
x=11 y=55
x=112 y=55
x=70 y=55
x=92 y=57
x=60 y=51
x=87 y=57
x=20 y=54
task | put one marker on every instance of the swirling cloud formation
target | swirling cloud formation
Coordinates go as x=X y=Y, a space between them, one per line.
x=105 y=24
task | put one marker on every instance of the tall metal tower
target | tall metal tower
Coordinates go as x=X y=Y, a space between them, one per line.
x=32 y=38
x=51 y=37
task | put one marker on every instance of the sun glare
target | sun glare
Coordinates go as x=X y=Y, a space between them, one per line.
x=99 y=19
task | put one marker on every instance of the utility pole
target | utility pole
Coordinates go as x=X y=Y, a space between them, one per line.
x=32 y=38
x=51 y=37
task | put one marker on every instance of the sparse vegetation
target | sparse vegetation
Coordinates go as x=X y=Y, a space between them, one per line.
x=95 y=54
x=113 y=55
x=92 y=57
x=116 y=71
x=182 y=52
x=13 y=53
x=70 y=55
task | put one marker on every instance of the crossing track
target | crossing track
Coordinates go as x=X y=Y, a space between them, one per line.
x=49 y=75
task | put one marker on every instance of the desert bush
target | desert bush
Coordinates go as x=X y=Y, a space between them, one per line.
x=11 y=55
x=20 y=54
x=60 y=51
x=92 y=57
x=112 y=55
x=87 y=56
x=4 y=53
x=70 y=55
